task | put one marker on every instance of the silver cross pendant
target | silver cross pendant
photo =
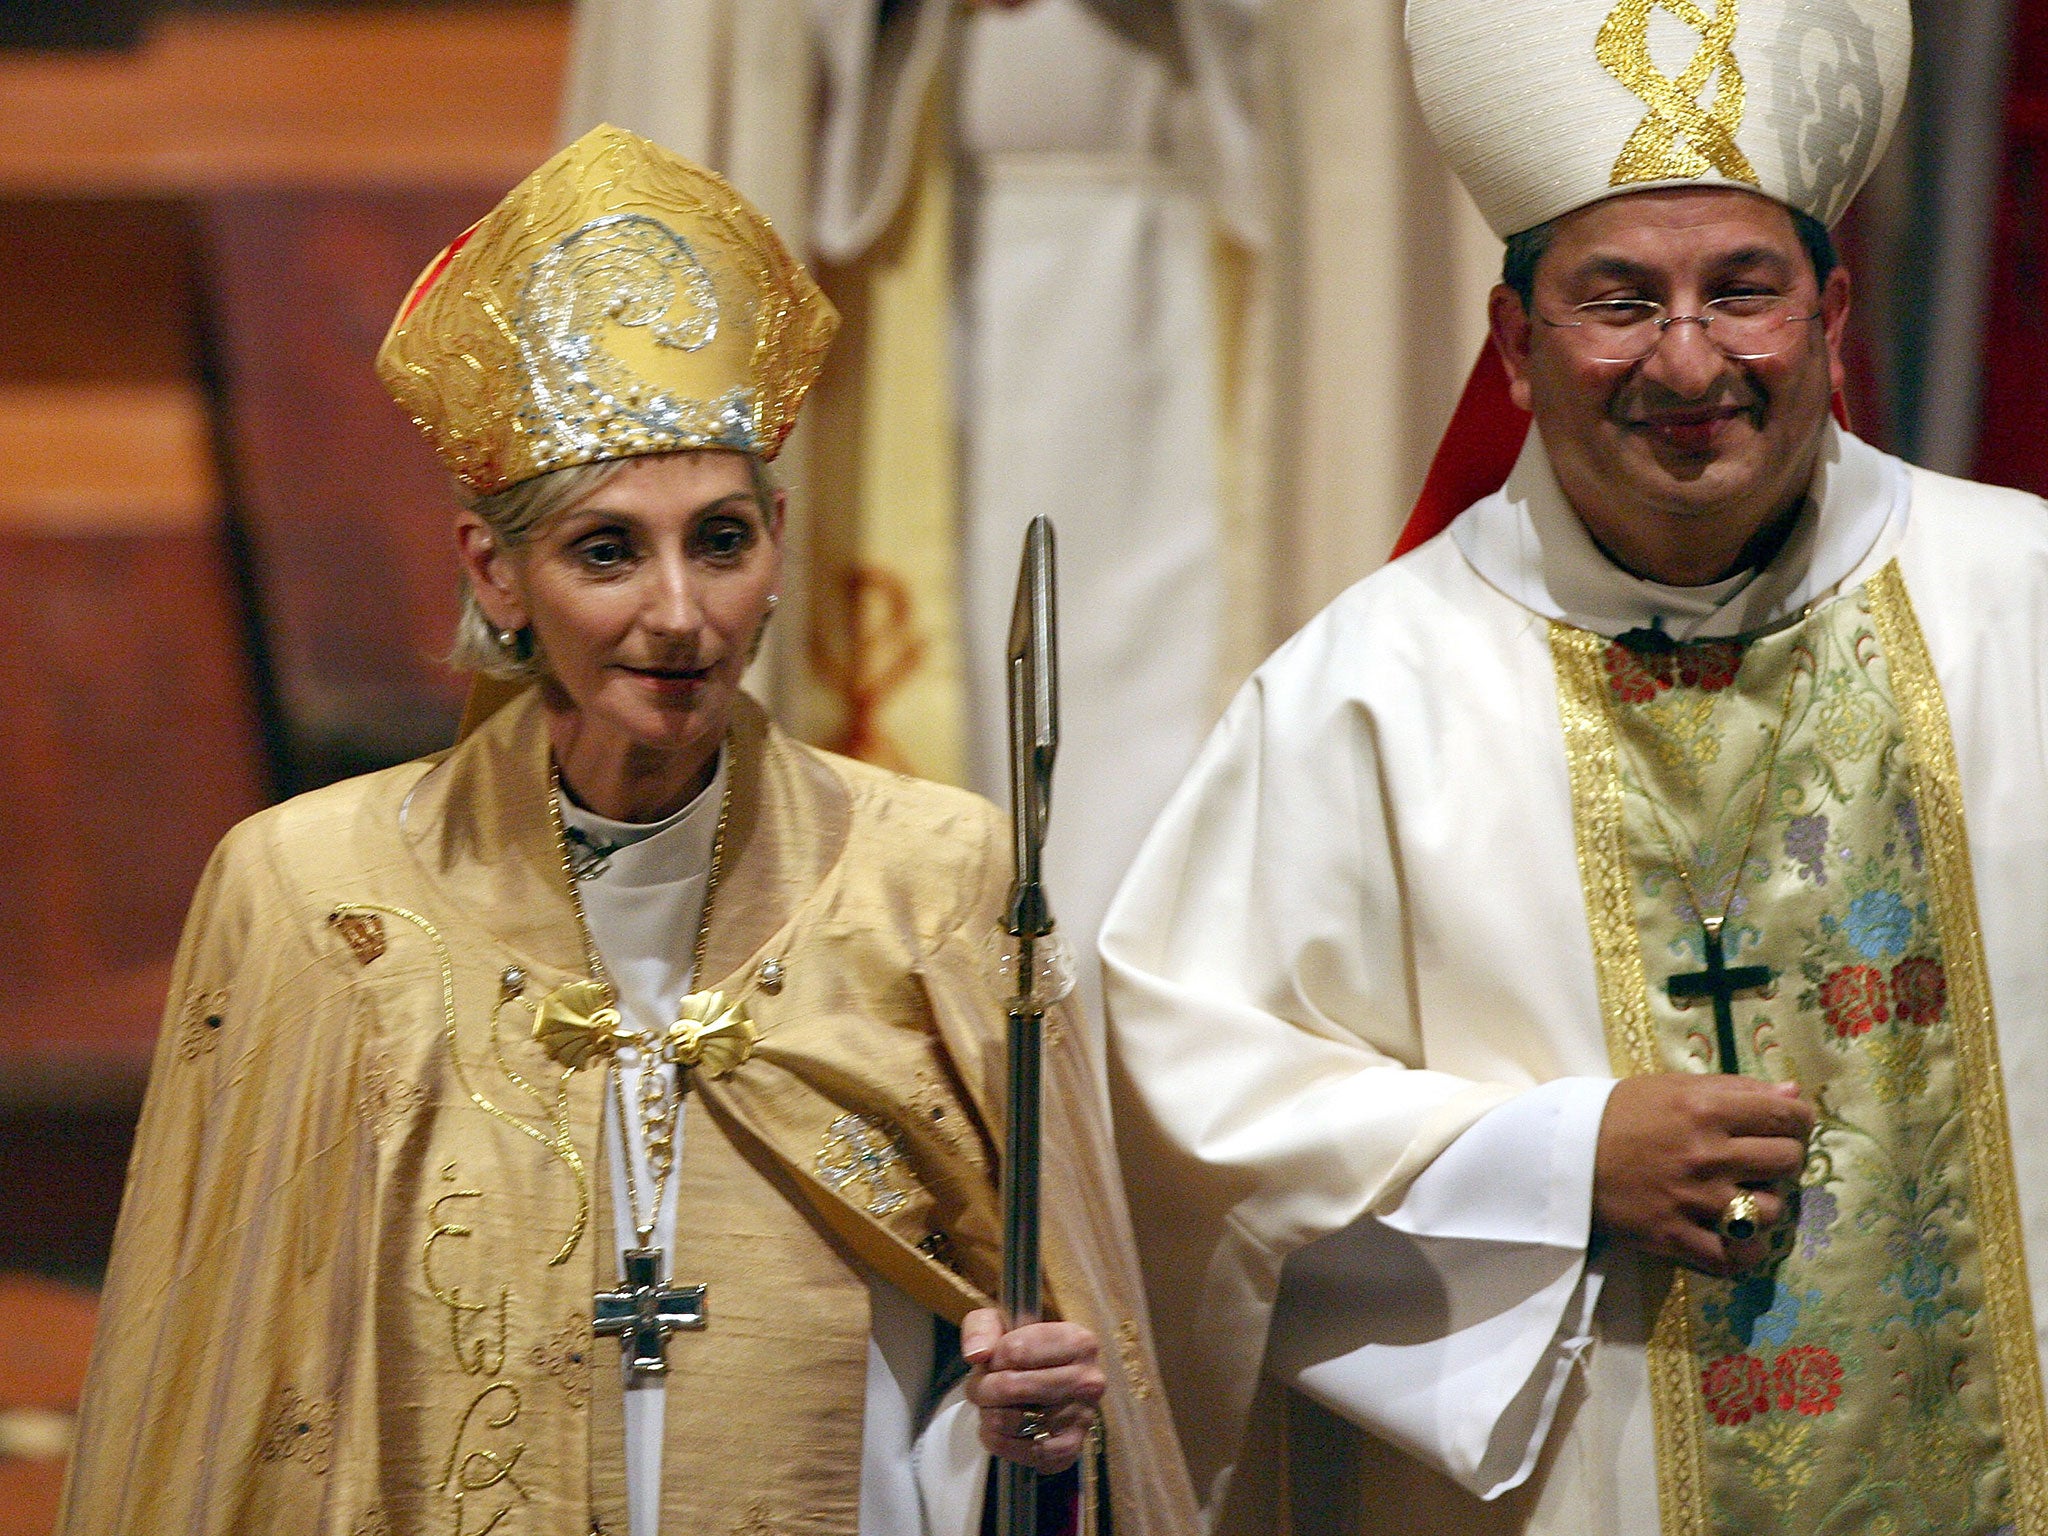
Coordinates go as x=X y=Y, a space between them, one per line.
x=643 y=1312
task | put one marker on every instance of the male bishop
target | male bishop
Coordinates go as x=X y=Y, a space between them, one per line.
x=1576 y=1029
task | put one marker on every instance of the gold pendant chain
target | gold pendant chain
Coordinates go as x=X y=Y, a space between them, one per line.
x=1714 y=925
x=661 y=1101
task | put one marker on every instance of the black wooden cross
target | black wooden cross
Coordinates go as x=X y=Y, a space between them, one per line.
x=643 y=1312
x=1722 y=985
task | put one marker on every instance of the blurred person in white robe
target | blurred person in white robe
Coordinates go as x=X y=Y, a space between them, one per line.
x=1155 y=223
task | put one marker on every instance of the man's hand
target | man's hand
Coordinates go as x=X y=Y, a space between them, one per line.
x=1674 y=1149
x=1044 y=1368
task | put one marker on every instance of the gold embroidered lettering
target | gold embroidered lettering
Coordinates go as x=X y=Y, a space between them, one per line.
x=473 y=1468
x=554 y=1107
x=477 y=1356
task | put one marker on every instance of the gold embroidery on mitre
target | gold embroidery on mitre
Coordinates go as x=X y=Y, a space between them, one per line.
x=859 y=1152
x=1678 y=137
x=619 y=301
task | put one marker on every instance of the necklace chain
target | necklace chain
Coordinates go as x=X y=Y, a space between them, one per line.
x=661 y=1100
x=1713 y=925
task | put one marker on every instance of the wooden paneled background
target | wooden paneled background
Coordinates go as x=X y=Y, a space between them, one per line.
x=223 y=553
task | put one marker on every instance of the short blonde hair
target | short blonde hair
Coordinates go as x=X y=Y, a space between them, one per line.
x=514 y=516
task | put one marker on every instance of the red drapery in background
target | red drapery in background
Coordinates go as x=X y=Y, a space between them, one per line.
x=2015 y=409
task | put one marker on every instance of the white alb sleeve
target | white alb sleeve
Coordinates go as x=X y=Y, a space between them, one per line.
x=1450 y=1325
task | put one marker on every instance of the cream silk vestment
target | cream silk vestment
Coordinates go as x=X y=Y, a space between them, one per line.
x=352 y=1285
x=923 y=1469
x=1357 y=1021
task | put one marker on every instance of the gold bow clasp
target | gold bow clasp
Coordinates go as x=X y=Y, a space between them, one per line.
x=577 y=1023
x=1678 y=138
x=710 y=1035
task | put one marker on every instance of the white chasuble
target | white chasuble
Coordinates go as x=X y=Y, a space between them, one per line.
x=642 y=888
x=1357 y=1015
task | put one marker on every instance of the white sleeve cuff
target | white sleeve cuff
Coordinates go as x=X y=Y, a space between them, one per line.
x=952 y=1467
x=1450 y=1325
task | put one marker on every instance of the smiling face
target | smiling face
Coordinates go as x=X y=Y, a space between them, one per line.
x=1677 y=461
x=644 y=601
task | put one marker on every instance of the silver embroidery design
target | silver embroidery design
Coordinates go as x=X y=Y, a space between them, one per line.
x=859 y=1153
x=625 y=269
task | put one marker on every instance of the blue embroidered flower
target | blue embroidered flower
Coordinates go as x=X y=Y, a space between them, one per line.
x=1880 y=924
x=1922 y=1276
x=1818 y=1211
x=1758 y=1308
x=1806 y=844
x=1777 y=1324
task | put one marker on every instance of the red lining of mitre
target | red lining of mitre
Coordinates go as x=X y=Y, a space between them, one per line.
x=1478 y=450
x=434 y=270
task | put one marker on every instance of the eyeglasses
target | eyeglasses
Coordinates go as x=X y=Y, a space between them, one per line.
x=1745 y=326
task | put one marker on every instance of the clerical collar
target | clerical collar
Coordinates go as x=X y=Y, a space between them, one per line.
x=636 y=854
x=1526 y=540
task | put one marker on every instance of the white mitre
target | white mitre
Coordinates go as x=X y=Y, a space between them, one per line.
x=1543 y=106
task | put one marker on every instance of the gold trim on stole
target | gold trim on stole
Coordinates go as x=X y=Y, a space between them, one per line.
x=1594 y=759
x=1938 y=788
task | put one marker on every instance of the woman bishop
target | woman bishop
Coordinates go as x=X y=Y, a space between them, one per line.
x=592 y=1128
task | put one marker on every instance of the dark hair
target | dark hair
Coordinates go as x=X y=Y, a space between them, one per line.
x=1525 y=250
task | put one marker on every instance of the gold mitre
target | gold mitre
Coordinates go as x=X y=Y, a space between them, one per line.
x=619 y=301
x=1543 y=106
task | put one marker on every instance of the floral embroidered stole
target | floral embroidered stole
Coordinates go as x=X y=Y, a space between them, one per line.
x=1880 y=1372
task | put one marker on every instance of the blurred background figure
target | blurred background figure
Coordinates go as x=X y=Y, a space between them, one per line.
x=1202 y=244
x=1070 y=223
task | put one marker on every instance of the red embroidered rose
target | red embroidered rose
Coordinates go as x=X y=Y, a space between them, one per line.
x=1636 y=676
x=1854 y=999
x=1809 y=1378
x=1737 y=1388
x=1919 y=989
x=1708 y=665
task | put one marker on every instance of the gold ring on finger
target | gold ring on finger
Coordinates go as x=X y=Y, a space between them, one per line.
x=1741 y=1217
x=1031 y=1425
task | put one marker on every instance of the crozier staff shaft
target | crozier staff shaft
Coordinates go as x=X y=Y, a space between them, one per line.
x=1034 y=742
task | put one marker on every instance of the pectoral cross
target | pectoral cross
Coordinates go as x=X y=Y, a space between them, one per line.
x=1722 y=985
x=643 y=1312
